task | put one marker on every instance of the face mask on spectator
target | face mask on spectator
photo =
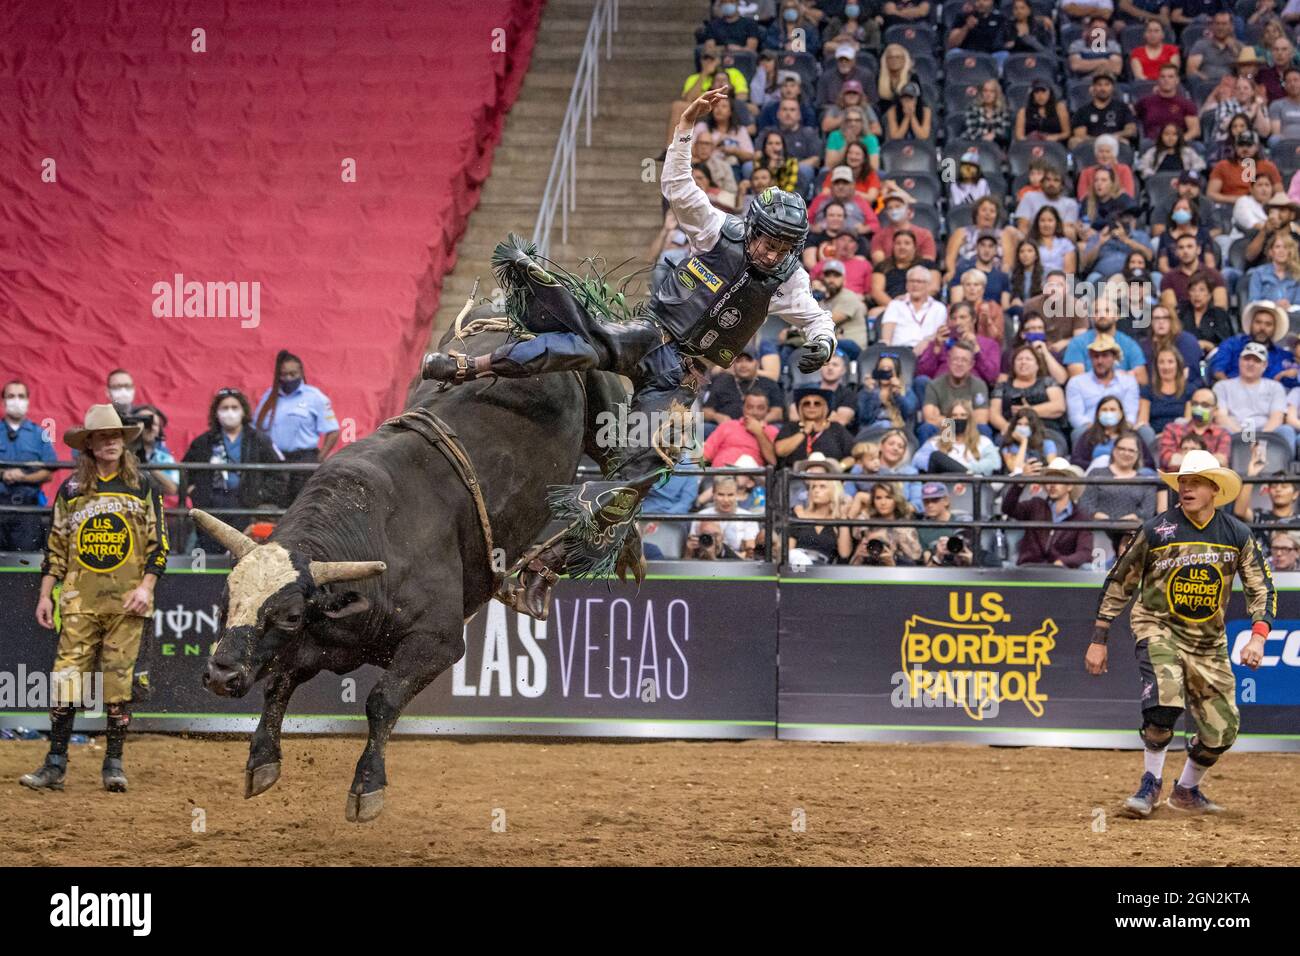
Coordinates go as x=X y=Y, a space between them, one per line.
x=1182 y=217
x=289 y=385
x=230 y=417
x=791 y=15
x=1201 y=413
x=122 y=396
x=16 y=407
x=852 y=10
x=1023 y=431
x=1109 y=419
x=898 y=214
x=728 y=9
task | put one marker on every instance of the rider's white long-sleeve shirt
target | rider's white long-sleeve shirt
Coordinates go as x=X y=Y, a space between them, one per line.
x=702 y=225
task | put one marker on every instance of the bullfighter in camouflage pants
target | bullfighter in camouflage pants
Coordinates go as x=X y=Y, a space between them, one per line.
x=1181 y=565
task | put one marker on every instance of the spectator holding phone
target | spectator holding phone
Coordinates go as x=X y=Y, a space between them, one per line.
x=883 y=400
x=1028 y=387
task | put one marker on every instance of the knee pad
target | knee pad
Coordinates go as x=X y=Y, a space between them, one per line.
x=119 y=716
x=1158 y=726
x=1203 y=755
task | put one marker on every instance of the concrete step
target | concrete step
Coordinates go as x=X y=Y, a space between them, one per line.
x=612 y=139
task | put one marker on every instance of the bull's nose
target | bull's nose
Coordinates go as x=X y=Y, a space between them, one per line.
x=222 y=679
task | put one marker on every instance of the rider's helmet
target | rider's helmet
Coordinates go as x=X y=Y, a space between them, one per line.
x=778 y=215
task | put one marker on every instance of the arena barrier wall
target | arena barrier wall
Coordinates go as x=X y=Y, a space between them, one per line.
x=694 y=654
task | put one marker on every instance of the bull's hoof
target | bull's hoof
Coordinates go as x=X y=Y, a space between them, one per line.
x=260 y=779
x=364 y=807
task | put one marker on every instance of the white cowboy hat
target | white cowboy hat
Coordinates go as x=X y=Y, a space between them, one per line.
x=1062 y=466
x=101 y=418
x=1281 y=322
x=818 y=460
x=1201 y=462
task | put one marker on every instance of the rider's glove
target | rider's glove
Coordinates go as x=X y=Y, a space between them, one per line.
x=817 y=351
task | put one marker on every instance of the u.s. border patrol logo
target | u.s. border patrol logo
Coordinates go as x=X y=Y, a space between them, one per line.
x=729 y=318
x=104 y=542
x=704 y=274
x=686 y=279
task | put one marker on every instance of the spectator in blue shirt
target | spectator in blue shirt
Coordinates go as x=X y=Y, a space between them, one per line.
x=21 y=440
x=1277 y=280
x=1084 y=392
x=1267 y=325
x=296 y=415
x=1104 y=323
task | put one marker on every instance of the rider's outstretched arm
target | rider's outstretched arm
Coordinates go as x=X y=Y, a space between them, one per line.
x=696 y=216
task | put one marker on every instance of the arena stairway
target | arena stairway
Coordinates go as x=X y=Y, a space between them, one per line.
x=618 y=215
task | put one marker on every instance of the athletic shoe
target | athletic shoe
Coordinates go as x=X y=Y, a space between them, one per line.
x=113 y=776
x=49 y=776
x=1191 y=800
x=1144 y=801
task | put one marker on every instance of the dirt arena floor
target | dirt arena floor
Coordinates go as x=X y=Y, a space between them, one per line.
x=642 y=803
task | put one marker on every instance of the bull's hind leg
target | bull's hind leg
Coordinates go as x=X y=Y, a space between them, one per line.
x=263 y=768
x=419 y=658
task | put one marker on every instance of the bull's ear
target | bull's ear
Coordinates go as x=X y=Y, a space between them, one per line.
x=340 y=605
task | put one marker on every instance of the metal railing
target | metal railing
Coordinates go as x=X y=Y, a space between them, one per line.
x=562 y=180
x=777 y=518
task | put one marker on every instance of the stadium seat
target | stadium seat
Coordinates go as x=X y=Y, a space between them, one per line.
x=905 y=357
x=1027 y=67
x=746 y=61
x=1082 y=155
x=1286 y=154
x=805 y=64
x=1077 y=92
x=1160 y=189
x=1193 y=32
x=915 y=38
x=1279 y=453
x=957 y=97
x=1025 y=152
x=871 y=63
x=924 y=187
x=1130 y=38
x=1237 y=253
x=962 y=68
x=1018 y=95
x=928 y=217
x=991 y=157
x=903 y=156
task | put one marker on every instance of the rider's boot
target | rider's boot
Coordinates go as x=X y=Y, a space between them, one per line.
x=455 y=368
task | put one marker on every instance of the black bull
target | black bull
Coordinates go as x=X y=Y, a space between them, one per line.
x=381 y=558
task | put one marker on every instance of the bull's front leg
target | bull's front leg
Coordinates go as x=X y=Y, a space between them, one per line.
x=263 y=768
x=419 y=658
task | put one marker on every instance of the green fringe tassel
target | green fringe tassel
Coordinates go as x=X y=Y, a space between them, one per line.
x=590 y=551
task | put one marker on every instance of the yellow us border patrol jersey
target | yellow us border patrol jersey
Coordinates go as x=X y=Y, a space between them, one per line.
x=1182 y=575
x=102 y=545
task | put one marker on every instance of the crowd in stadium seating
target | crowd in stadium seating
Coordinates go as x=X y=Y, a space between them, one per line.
x=291 y=422
x=1041 y=254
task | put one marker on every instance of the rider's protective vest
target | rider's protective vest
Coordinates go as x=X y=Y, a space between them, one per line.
x=713 y=303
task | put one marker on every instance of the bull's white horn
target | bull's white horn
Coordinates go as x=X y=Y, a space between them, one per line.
x=324 y=572
x=234 y=541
